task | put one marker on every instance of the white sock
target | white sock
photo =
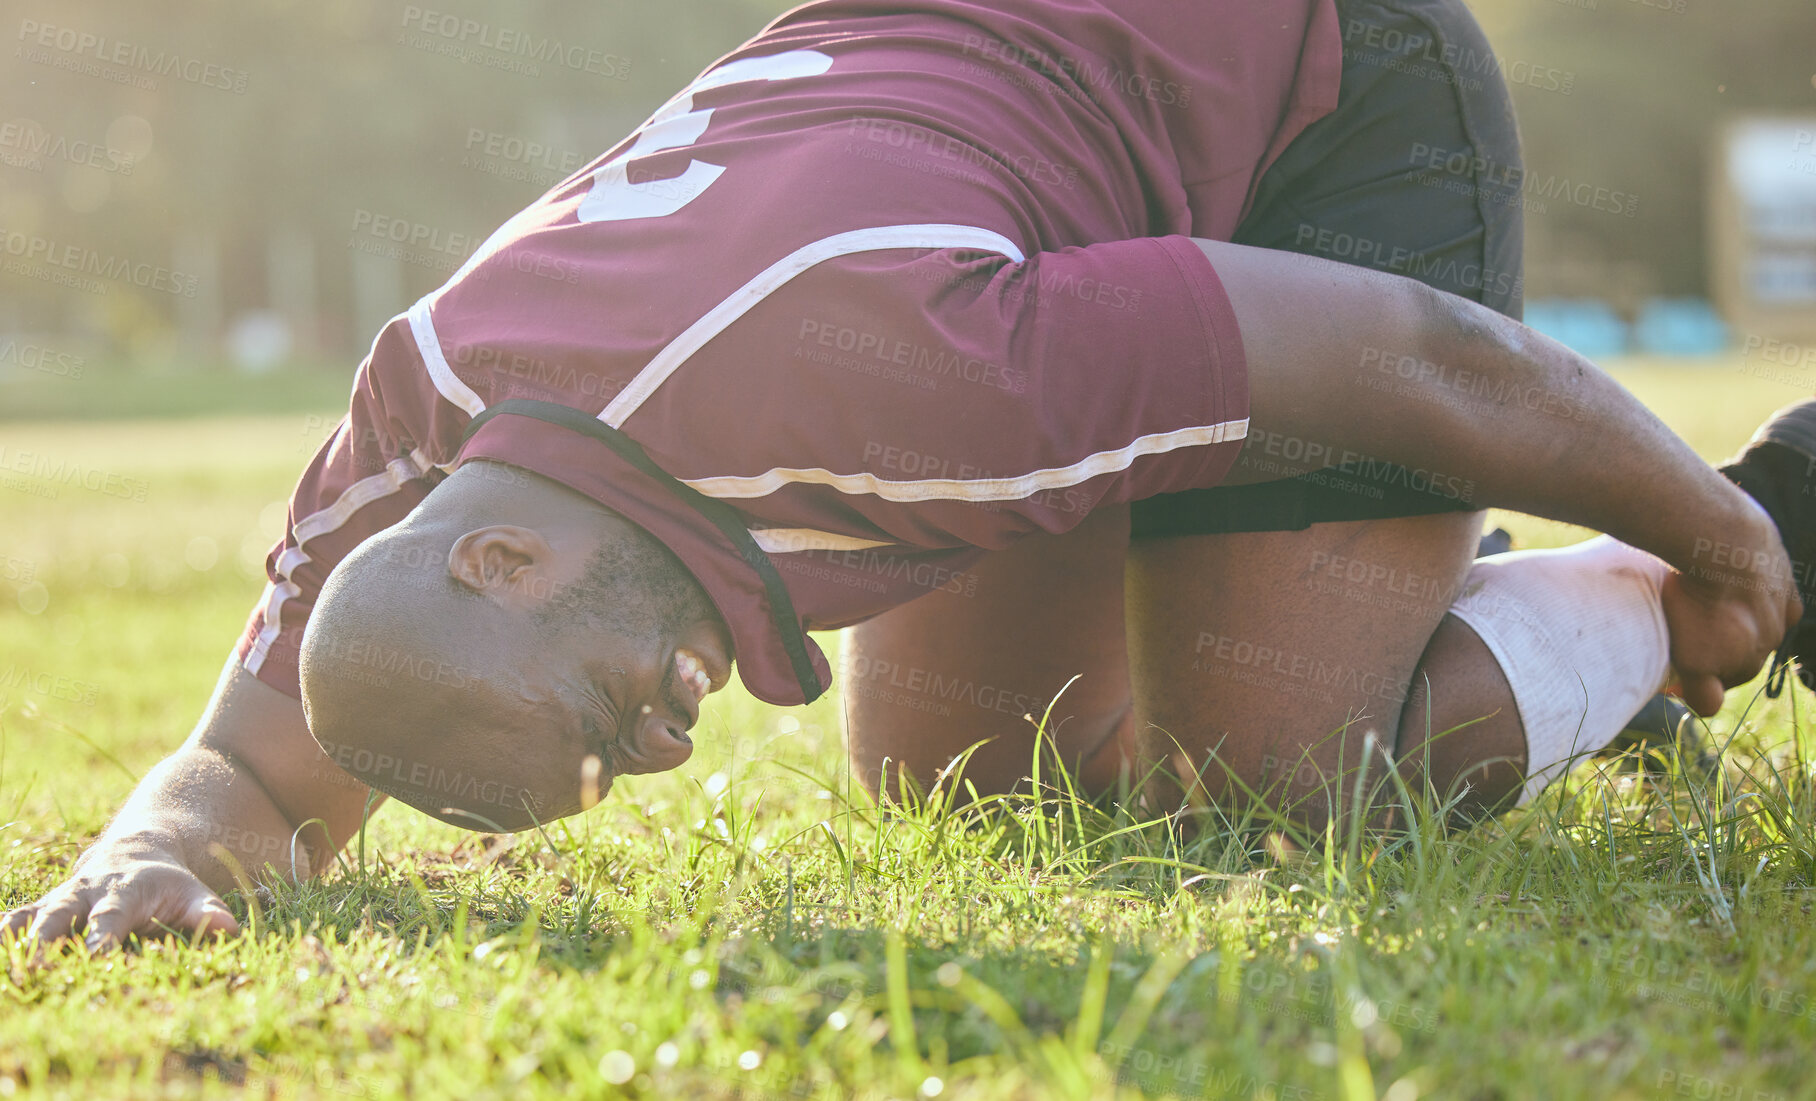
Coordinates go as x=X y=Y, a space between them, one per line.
x=1580 y=635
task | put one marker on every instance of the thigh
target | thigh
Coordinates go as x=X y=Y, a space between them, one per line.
x=927 y=680
x=1273 y=626
x=1264 y=660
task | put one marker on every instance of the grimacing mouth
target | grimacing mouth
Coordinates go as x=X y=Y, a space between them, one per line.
x=690 y=673
x=688 y=681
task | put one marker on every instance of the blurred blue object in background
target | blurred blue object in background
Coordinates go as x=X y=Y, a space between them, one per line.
x=1680 y=327
x=1587 y=326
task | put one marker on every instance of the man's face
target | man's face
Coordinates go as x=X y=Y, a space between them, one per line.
x=527 y=663
x=587 y=658
x=595 y=699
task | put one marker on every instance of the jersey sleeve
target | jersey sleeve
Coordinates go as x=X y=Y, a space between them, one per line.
x=951 y=398
x=379 y=463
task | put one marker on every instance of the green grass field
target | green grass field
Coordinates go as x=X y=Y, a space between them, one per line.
x=750 y=926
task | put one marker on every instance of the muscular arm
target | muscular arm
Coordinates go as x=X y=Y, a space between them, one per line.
x=1535 y=427
x=1532 y=425
x=1564 y=441
x=235 y=793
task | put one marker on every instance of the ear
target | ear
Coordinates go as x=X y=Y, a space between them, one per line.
x=503 y=562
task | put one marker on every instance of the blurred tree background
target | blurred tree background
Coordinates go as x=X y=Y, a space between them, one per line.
x=257 y=163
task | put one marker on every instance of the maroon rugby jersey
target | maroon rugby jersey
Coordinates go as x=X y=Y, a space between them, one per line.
x=891 y=286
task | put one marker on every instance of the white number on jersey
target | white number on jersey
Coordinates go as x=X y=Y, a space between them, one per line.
x=677 y=125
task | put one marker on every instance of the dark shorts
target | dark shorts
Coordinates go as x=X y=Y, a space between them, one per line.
x=1416 y=172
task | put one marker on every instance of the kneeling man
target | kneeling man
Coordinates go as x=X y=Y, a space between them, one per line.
x=902 y=306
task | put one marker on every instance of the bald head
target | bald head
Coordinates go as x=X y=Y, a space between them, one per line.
x=500 y=655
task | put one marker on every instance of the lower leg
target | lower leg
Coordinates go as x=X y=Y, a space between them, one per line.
x=1460 y=732
x=1266 y=665
x=1542 y=657
x=1542 y=661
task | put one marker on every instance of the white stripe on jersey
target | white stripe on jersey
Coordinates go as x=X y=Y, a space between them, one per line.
x=977 y=489
x=362 y=493
x=936 y=236
x=274 y=599
x=428 y=345
x=795 y=540
x=355 y=497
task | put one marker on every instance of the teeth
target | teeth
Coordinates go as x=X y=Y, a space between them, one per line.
x=693 y=672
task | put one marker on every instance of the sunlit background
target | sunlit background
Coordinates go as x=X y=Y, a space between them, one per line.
x=201 y=186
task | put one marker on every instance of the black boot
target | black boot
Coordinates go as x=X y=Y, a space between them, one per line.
x=1776 y=469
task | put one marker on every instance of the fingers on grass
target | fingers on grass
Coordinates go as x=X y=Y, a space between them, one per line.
x=58 y=921
x=208 y=916
x=108 y=926
x=16 y=922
